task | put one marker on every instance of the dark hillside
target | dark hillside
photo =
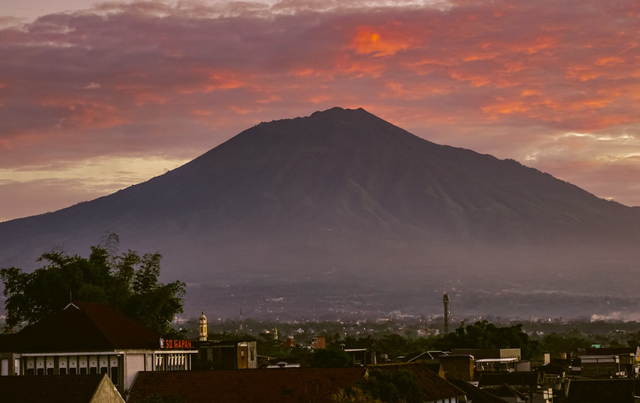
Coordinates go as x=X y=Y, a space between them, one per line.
x=343 y=188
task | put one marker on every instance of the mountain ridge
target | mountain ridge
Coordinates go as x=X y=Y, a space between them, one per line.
x=341 y=188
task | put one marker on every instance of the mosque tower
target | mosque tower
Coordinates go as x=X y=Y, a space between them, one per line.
x=202 y=327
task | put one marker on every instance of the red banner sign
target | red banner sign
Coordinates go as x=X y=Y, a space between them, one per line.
x=175 y=344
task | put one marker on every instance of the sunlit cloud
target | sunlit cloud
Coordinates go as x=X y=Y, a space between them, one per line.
x=553 y=84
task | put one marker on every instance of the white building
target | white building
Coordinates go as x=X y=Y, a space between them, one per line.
x=91 y=338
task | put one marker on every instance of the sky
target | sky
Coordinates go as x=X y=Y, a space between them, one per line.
x=95 y=97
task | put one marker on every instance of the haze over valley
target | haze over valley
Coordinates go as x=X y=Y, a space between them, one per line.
x=342 y=213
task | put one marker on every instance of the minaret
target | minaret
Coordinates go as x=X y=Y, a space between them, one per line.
x=202 y=327
x=445 y=300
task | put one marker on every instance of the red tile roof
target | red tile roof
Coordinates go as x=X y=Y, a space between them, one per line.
x=83 y=326
x=287 y=385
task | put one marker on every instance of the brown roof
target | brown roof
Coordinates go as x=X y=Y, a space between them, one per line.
x=602 y=391
x=287 y=385
x=433 y=386
x=612 y=351
x=512 y=379
x=475 y=394
x=50 y=388
x=82 y=326
x=508 y=392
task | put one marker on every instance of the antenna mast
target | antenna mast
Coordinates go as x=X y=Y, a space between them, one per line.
x=445 y=300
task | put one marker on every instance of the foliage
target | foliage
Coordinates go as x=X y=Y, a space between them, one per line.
x=162 y=399
x=128 y=282
x=331 y=358
x=486 y=335
x=353 y=395
x=391 y=386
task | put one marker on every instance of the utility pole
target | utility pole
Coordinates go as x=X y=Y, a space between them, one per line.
x=445 y=300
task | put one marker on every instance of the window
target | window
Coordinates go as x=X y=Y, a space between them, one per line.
x=114 y=375
x=49 y=371
x=83 y=371
x=103 y=370
x=73 y=371
x=40 y=371
x=30 y=371
x=93 y=370
x=62 y=371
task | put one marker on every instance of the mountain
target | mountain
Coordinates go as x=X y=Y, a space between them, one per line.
x=343 y=191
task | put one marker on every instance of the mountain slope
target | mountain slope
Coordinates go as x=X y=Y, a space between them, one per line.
x=340 y=187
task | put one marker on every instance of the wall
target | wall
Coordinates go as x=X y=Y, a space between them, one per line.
x=106 y=393
x=134 y=363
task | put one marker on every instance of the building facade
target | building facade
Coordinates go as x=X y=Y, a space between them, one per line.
x=91 y=338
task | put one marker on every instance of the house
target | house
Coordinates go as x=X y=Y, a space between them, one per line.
x=532 y=385
x=458 y=366
x=287 y=385
x=610 y=362
x=475 y=394
x=361 y=356
x=435 y=388
x=318 y=342
x=603 y=391
x=226 y=354
x=59 y=388
x=495 y=360
x=424 y=357
x=92 y=338
x=508 y=394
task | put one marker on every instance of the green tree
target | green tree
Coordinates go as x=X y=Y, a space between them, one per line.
x=127 y=281
x=331 y=358
x=486 y=335
x=393 y=386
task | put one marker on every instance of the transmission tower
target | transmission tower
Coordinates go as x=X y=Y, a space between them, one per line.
x=445 y=300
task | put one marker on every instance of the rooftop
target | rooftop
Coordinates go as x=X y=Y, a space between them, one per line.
x=82 y=326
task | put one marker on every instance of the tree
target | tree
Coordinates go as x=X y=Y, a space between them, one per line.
x=486 y=335
x=127 y=281
x=393 y=386
x=331 y=358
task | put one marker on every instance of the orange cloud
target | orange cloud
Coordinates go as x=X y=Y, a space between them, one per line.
x=524 y=69
x=380 y=42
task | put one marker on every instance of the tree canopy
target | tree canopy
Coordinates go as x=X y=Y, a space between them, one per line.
x=488 y=336
x=331 y=358
x=126 y=281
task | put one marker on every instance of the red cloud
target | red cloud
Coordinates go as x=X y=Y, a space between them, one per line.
x=209 y=71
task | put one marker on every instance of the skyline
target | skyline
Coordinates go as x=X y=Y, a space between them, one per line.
x=103 y=97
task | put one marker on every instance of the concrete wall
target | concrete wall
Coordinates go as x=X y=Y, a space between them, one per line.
x=106 y=393
x=134 y=363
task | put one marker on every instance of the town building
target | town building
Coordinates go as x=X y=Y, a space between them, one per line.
x=286 y=385
x=496 y=360
x=91 y=338
x=59 y=388
x=610 y=362
x=223 y=354
x=529 y=387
